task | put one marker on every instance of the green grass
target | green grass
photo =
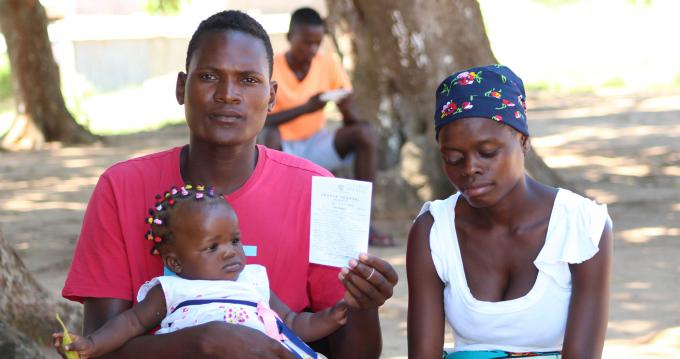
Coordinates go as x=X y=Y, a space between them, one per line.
x=5 y=78
x=140 y=127
x=556 y=3
x=120 y=112
x=676 y=82
x=538 y=86
x=615 y=82
x=559 y=88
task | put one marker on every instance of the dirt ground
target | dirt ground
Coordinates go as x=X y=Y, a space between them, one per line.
x=620 y=149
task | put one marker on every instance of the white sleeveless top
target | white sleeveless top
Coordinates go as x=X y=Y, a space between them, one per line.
x=252 y=285
x=536 y=321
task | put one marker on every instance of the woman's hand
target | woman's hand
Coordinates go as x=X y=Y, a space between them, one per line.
x=369 y=282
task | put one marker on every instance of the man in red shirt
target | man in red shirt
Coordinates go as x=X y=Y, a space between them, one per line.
x=226 y=92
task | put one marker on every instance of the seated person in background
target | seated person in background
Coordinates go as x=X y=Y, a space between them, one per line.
x=518 y=268
x=196 y=233
x=307 y=79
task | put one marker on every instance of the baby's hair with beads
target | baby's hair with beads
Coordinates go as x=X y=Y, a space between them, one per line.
x=159 y=217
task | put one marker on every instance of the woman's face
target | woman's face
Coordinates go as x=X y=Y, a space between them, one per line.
x=226 y=91
x=483 y=159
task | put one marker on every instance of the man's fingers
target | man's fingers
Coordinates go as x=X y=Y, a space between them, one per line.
x=360 y=298
x=370 y=280
x=349 y=299
x=372 y=285
x=381 y=265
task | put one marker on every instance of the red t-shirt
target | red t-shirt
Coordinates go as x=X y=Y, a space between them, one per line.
x=112 y=259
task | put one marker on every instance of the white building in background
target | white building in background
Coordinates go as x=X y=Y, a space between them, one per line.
x=116 y=44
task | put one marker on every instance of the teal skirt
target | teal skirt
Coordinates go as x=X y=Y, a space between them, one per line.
x=499 y=354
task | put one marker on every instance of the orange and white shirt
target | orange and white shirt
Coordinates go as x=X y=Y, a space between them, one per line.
x=325 y=73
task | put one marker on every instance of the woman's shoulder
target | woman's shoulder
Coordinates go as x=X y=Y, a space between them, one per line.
x=578 y=209
x=576 y=226
x=436 y=207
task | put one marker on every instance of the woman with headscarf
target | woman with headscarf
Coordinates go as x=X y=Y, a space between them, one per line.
x=517 y=268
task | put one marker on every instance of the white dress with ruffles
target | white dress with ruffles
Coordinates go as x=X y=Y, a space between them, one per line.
x=252 y=285
x=536 y=321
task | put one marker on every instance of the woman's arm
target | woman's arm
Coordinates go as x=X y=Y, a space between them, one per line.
x=425 y=294
x=588 y=309
x=368 y=284
x=311 y=326
x=211 y=340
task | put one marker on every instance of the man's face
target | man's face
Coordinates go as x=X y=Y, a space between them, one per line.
x=226 y=91
x=305 y=41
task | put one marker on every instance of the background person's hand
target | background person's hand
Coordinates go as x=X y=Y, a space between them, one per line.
x=368 y=282
x=315 y=103
x=348 y=110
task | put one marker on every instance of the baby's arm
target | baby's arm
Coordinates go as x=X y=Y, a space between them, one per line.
x=311 y=326
x=133 y=322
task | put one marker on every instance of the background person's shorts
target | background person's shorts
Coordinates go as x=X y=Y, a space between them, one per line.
x=319 y=149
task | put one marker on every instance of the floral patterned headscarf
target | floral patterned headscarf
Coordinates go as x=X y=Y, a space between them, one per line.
x=493 y=91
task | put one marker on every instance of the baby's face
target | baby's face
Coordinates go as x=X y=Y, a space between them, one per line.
x=207 y=243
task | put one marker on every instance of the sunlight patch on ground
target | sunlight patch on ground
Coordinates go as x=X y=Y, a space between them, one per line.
x=658 y=104
x=602 y=196
x=398 y=260
x=23 y=205
x=664 y=344
x=22 y=246
x=671 y=171
x=614 y=165
x=584 y=133
x=631 y=326
x=56 y=184
x=635 y=307
x=78 y=163
x=655 y=151
x=638 y=285
x=631 y=170
x=562 y=138
x=646 y=234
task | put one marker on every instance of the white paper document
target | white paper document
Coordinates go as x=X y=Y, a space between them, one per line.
x=340 y=218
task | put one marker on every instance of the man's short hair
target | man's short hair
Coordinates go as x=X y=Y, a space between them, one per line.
x=231 y=20
x=305 y=16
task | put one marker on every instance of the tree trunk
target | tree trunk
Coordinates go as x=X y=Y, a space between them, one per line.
x=16 y=345
x=41 y=111
x=25 y=305
x=399 y=52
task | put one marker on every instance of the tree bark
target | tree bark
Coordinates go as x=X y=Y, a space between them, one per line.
x=41 y=111
x=16 y=345
x=399 y=52
x=25 y=305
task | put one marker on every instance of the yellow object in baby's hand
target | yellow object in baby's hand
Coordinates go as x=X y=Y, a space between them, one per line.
x=67 y=340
